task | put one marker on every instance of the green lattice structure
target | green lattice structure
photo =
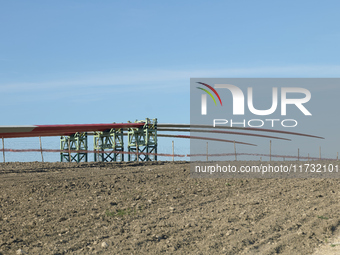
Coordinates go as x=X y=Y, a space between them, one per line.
x=143 y=140
x=109 y=146
x=72 y=146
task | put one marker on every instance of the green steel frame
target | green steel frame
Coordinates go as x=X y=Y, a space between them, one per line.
x=111 y=141
x=143 y=140
x=69 y=144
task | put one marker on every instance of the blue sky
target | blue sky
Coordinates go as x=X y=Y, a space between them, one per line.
x=114 y=61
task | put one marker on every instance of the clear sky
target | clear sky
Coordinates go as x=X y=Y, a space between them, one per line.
x=113 y=61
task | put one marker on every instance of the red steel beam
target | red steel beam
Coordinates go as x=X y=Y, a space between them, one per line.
x=170 y=125
x=205 y=138
x=59 y=130
x=219 y=132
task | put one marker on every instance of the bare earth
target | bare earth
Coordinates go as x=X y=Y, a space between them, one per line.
x=155 y=207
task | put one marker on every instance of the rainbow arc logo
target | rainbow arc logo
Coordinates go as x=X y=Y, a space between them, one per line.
x=204 y=97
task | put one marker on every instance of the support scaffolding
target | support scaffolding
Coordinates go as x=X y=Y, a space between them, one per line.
x=111 y=142
x=143 y=140
x=69 y=144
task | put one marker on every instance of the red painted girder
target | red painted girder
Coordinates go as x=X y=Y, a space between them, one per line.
x=219 y=132
x=170 y=125
x=59 y=130
x=205 y=138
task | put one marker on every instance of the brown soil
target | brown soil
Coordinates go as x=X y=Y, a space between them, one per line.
x=155 y=207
